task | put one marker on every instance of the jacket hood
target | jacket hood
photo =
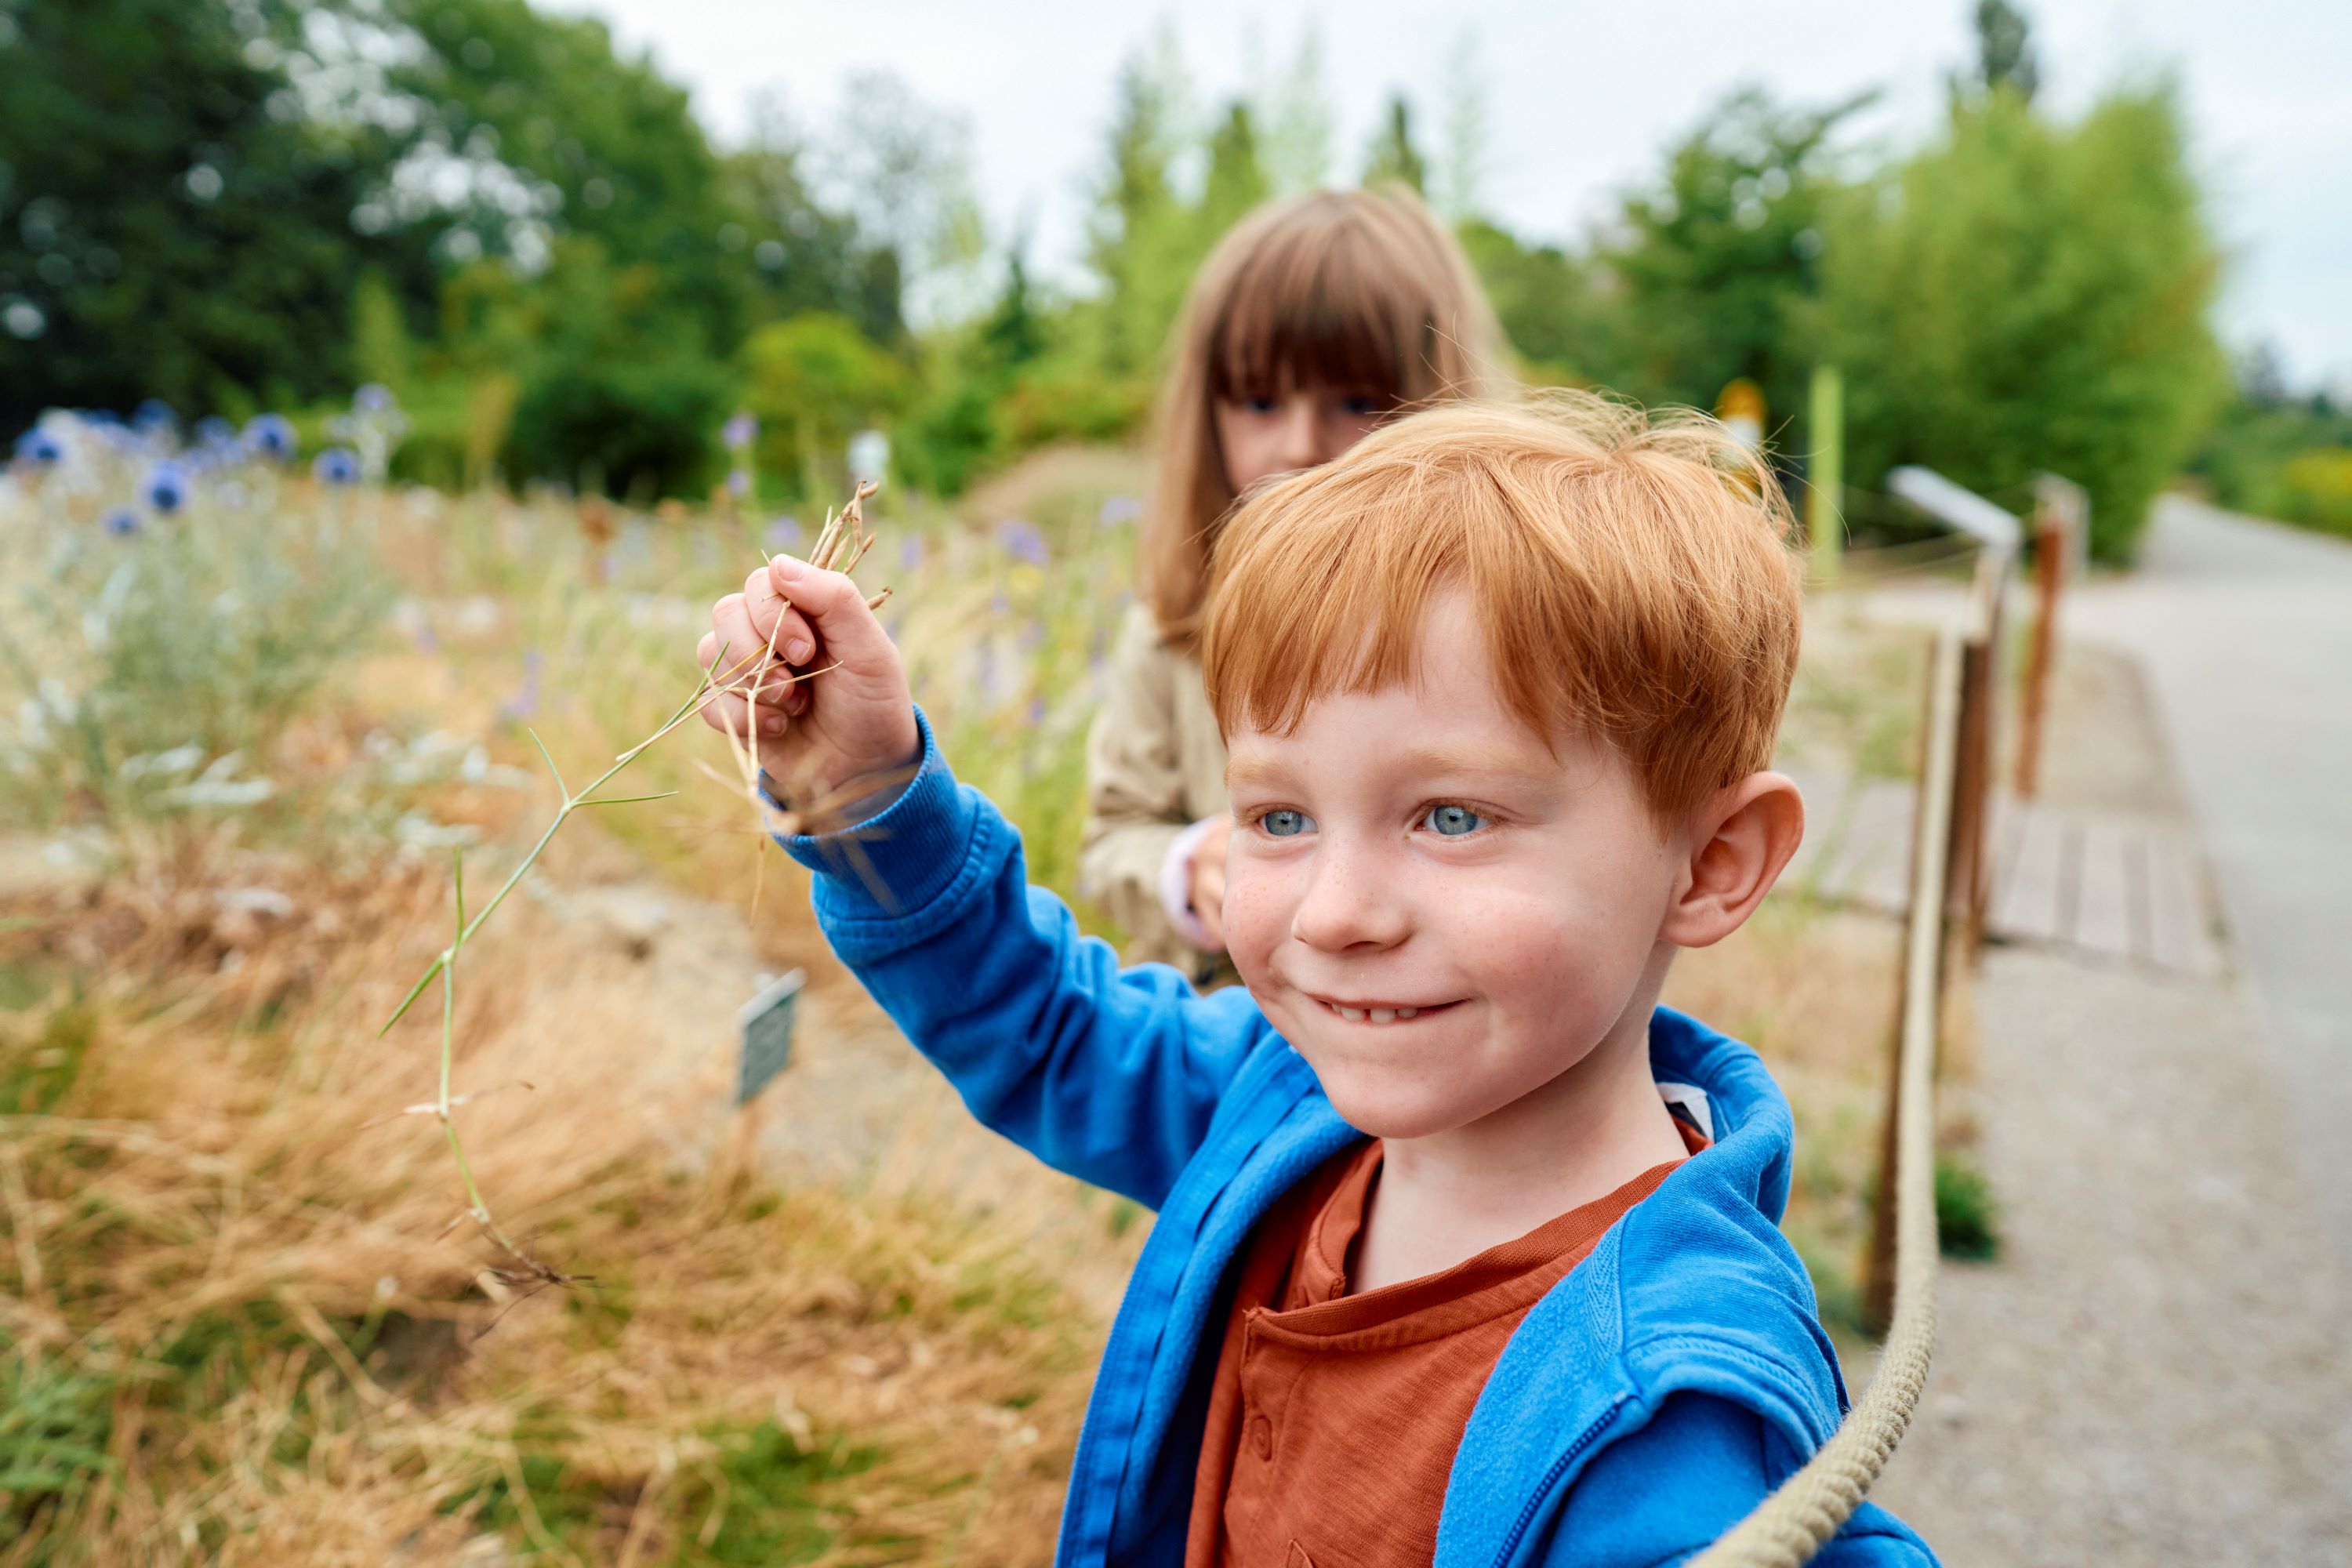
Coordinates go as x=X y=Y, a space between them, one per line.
x=1695 y=1290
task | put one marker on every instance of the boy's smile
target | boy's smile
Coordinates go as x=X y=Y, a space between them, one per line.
x=1443 y=914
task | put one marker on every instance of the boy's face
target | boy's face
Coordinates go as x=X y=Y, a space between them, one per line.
x=1440 y=913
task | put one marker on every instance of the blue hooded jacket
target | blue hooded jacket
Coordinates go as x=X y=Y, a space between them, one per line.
x=1642 y=1408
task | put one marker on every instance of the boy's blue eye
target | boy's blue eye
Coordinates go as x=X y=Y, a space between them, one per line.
x=1452 y=821
x=1284 y=823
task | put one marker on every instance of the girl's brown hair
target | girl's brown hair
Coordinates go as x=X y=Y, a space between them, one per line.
x=1358 y=288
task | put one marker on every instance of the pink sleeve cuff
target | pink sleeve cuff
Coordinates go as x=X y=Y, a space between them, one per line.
x=1176 y=885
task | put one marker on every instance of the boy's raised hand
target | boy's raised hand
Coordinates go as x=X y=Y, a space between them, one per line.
x=826 y=740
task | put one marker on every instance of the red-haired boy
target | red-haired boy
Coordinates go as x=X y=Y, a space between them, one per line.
x=1467 y=1248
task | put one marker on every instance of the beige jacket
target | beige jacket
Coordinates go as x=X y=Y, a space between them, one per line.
x=1155 y=764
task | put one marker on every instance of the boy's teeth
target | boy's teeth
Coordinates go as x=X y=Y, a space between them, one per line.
x=1408 y=1012
x=1375 y=1014
x=1353 y=1014
x=1384 y=1014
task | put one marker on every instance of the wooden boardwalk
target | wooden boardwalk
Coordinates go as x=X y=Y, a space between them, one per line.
x=2132 y=888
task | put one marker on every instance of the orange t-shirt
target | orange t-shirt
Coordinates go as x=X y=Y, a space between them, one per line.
x=1334 y=1418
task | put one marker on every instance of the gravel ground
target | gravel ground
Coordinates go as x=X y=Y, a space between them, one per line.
x=2160 y=1368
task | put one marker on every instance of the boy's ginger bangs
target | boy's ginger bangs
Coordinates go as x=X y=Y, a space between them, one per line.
x=1635 y=578
x=1355 y=288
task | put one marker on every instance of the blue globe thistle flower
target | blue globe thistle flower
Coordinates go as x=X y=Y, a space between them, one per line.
x=1022 y=539
x=167 y=488
x=122 y=522
x=372 y=398
x=272 y=435
x=214 y=432
x=40 y=448
x=337 y=465
x=155 y=415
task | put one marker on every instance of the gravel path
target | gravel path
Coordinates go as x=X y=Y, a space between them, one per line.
x=2160 y=1368
x=2245 y=631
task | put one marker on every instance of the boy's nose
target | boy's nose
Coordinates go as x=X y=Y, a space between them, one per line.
x=1348 y=903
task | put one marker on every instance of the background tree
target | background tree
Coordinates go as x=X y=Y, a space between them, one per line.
x=1393 y=157
x=167 y=230
x=1714 y=267
x=2005 y=49
x=2027 y=296
x=812 y=381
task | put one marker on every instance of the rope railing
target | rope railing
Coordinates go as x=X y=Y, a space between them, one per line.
x=1786 y=1528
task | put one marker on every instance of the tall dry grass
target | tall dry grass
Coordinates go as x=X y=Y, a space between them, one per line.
x=234 y=1277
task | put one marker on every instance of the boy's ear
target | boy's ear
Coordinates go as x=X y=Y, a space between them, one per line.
x=1739 y=846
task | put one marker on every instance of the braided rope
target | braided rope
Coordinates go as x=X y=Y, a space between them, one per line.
x=1810 y=1507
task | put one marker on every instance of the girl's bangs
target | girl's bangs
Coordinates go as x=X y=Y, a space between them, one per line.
x=1315 y=309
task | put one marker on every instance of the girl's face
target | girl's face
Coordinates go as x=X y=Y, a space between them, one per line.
x=1281 y=432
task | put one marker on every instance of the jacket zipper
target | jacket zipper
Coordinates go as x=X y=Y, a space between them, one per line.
x=1551 y=1479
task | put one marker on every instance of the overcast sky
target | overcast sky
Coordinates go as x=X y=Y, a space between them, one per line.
x=1581 y=97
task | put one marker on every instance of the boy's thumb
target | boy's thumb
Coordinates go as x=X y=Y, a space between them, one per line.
x=835 y=608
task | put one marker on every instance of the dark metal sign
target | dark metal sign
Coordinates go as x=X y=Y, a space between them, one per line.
x=765 y=1024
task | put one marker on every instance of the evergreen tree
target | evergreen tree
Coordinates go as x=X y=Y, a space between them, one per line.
x=2005 y=49
x=1237 y=180
x=1394 y=157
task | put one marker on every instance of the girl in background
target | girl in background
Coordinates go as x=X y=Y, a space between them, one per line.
x=1314 y=321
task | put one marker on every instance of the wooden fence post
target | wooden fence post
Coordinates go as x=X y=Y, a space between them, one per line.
x=2054 y=524
x=1969 y=869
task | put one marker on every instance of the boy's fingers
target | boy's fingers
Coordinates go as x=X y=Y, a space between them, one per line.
x=835 y=608
x=734 y=657
x=793 y=640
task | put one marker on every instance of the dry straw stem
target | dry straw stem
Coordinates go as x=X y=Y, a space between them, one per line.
x=840 y=546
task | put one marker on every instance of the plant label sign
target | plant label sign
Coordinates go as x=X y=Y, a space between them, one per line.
x=765 y=1024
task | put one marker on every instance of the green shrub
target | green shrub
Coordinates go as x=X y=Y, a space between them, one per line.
x=2318 y=488
x=1967 y=1215
x=622 y=425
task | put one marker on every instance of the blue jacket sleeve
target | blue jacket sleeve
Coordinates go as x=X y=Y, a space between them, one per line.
x=1664 y=1493
x=1109 y=1075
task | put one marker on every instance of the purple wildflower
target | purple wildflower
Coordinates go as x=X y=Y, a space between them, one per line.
x=122 y=522
x=337 y=465
x=1117 y=509
x=525 y=701
x=1037 y=710
x=739 y=482
x=39 y=449
x=1023 y=540
x=372 y=398
x=740 y=431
